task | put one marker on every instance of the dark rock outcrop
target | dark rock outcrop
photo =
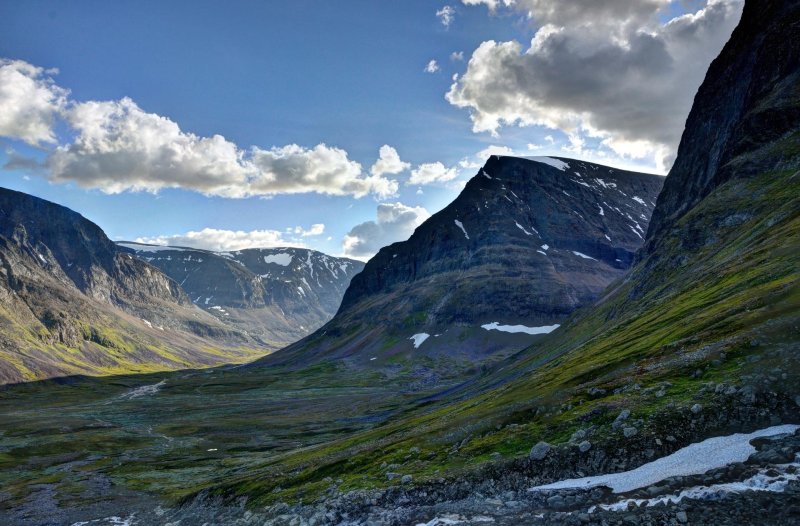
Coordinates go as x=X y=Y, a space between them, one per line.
x=749 y=100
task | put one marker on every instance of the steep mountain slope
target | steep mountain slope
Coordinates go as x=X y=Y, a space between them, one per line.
x=277 y=295
x=72 y=304
x=526 y=242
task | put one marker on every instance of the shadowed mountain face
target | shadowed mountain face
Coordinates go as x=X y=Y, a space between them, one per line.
x=277 y=295
x=749 y=102
x=527 y=242
x=71 y=303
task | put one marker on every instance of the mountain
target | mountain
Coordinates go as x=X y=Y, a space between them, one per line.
x=73 y=304
x=699 y=340
x=277 y=295
x=526 y=243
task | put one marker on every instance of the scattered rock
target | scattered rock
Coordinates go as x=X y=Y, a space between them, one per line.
x=540 y=450
x=681 y=517
x=406 y=479
x=697 y=408
x=585 y=446
x=630 y=431
x=580 y=434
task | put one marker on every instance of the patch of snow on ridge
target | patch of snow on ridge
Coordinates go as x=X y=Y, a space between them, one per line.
x=555 y=163
x=547 y=329
x=639 y=200
x=523 y=229
x=460 y=225
x=419 y=339
x=282 y=259
x=582 y=255
x=694 y=459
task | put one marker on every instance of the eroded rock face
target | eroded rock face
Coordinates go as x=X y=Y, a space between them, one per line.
x=527 y=241
x=748 y=101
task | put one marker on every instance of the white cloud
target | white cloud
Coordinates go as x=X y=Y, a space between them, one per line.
x=225 y=240
x=388 y=163
x=323 y=169
x=606 y=69
x=446 y=15
x=394 y=222
x=432 y=67
x=484 y=154
x=457 y=56
x=428 y=173
x=116 y=147
x=317 y=229
x=491 y=4
x=29 y=102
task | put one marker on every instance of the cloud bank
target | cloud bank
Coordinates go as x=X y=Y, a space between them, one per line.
x=606 y=69
x=115 y=146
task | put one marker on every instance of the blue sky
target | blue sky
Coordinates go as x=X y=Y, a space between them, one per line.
x=349 y=75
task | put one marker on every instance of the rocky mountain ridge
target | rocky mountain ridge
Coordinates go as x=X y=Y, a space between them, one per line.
x=277 y=295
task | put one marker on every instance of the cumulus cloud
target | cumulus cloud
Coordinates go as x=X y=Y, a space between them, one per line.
x=446 y=15
x=607 y=69
x=323 y=169
x=317 y=229
x=116 y=146
x=226 y=240
x=457 y=56
x=432 y=67
x=428 y=173
x=29 y=102
x=388 y=163
x=394 y=222
x=491 y=4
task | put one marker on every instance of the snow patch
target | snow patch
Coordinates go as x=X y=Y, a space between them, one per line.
x=547 y=329
x=694 y=459
x=419 y=339
x=772 y=479
x=523 y=229
x=545 y=247
x=282 y=259
x=460 y=225
x=582 y=255
x=555 y=163
x=639 y=200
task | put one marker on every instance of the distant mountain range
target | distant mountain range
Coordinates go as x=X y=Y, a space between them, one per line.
x=276 y=295
x=526 y=243
x=74 y=302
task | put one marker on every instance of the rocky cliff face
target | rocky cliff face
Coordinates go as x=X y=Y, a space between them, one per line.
x=526 y=243
x=278 y=294
x=749 y=100
x=72 y=303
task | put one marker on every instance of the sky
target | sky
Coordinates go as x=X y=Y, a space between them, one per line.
x=339 y=126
